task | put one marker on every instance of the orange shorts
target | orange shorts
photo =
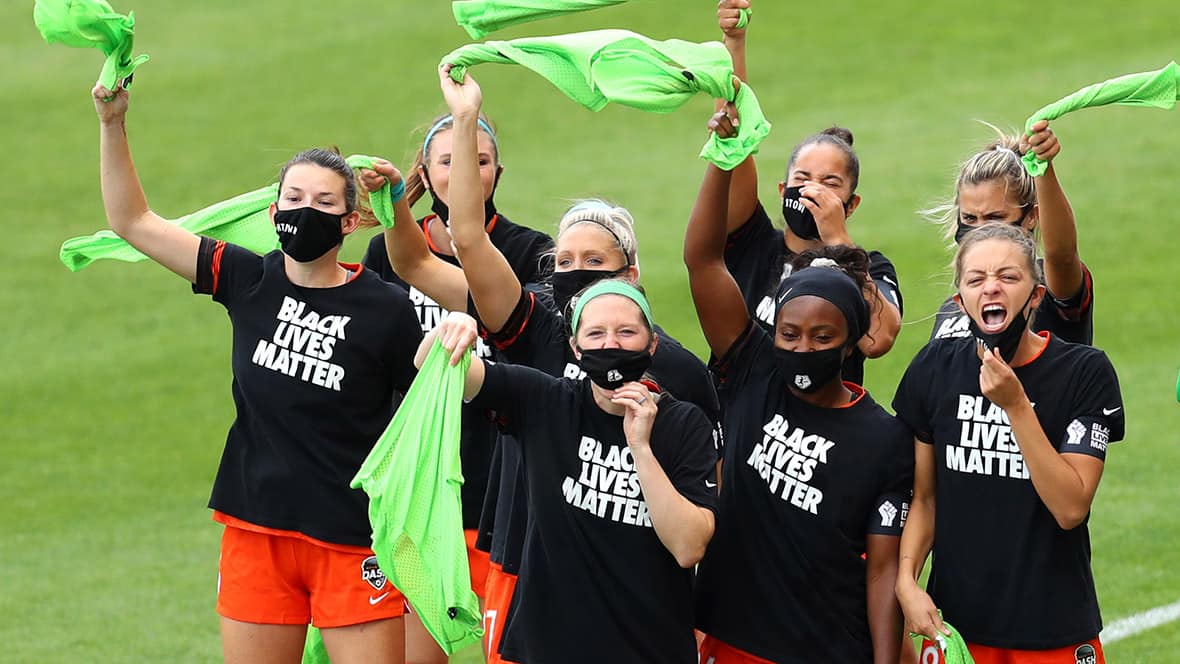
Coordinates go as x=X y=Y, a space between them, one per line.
x=1089 y=652
x=278 y=579
x=719 y=652
x=478 y=562
x=501 y=586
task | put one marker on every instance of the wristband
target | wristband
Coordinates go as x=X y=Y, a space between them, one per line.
x=397 y=192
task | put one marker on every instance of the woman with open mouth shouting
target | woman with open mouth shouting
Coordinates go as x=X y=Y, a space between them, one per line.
x=1011 y=429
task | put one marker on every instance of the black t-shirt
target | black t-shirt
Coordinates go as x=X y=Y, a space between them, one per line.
x=802 y=488
x=593 y=564
x=526 y=251
x=315 y=375
x=1004 y=573
x=757 y=257
x=1071 y=319
x=538 y=337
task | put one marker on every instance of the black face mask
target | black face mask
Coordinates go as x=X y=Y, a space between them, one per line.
x=569 y=283
x=610 y=368
x=443 y=211
x=961 y=230
x=307 y=233
x=809 y=371
x=1008 y=339
x=799 y=219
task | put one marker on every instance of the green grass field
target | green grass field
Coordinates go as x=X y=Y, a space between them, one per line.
x=114 y=394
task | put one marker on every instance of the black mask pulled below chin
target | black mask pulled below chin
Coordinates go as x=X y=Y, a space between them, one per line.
x=809 y=371
x=1008 y=339
x=611 y=368
x=568 y=284
x=443 y=211
x=307 y=233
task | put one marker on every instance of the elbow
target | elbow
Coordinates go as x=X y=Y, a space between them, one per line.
x=688 y=556
x=1070 y=519
x=879 y=344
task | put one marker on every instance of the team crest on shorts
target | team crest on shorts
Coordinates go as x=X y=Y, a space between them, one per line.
x=372 y=573
x=802 y=381
x=1084 y=654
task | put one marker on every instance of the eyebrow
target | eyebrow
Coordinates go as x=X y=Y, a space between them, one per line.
x=298 y=189
x=807 y=174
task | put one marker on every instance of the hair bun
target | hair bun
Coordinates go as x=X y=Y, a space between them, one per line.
x=841 y=133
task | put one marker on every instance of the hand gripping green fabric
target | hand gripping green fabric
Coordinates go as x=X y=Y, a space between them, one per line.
x=482 y=17
x=92 y=24
x=602 y=66
x=953 y=647
x=1158 y=89
x=413 y=479
x=243 y=220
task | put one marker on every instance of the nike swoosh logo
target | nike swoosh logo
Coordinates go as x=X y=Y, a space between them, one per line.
x=1111 y=411
x=710 y=485
x=374 y=600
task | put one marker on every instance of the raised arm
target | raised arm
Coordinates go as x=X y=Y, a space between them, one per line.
x=494 y=286
x=720 y=307
x=885 y=324
x=122 y=195
x=743 y=188
x=1059 y=233
x=409 y=255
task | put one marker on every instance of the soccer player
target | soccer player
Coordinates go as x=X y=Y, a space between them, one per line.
x=817 y=197
x=528 y=252
x=620 y=491
x=1011 y=430
x=815 y=473
x=320 y=348
x=993 y=186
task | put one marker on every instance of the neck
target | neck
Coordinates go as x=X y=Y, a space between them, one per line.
x=440 y=237
x=832 y=395
x=797 y=245
x=323 y=272
x=602 y=398
x=1030 y=345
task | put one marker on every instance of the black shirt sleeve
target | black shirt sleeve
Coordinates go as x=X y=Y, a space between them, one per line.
x=897 y=483
x=225 y=270
x=884 y=275
x=910 y=401
x=750 y=358
x=1099 y=418
x=515 y=392
x=1076 y=306
x=377 y=258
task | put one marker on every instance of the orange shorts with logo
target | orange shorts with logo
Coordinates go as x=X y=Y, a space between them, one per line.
x=477 y=562
x=719 y=652
x=1089 y=652
x=279 y=577
x=501 y=585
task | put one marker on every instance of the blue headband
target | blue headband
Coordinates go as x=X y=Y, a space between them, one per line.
x=450 y=118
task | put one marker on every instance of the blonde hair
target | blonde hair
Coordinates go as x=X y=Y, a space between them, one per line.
x=996 y=230
x=999 y=161
x=611 y=218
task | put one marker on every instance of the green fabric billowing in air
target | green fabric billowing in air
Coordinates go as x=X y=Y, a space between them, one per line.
x=602 y=66
x=413 y=479
x=92 y=24
x=482 y=17
x=243 y=220
x=1157 y=89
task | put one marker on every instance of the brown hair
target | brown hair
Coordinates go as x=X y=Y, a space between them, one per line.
x=839 y=137
x=852 y=261
x=330 y=159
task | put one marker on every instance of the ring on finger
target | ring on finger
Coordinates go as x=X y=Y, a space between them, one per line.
x=641 y=400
